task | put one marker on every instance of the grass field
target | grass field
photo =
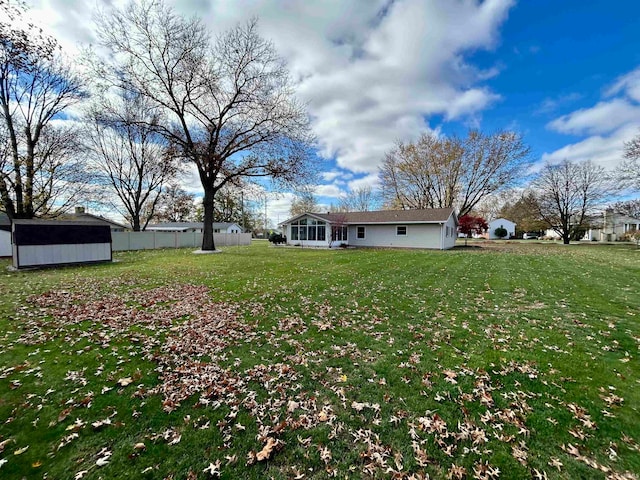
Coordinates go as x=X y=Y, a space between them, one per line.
x=506 y=361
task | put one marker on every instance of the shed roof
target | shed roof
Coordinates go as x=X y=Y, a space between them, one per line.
x=40 y=221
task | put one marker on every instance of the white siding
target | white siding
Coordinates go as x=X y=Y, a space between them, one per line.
x=450 y=240
x=508 y=225
x=309 y=243
x=34 y=255
x=418 y=236
x=5 y=243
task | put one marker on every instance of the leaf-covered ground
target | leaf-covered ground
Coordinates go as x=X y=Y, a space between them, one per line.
x=506 y=361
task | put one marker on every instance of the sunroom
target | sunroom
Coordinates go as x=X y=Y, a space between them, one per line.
x=308 y=231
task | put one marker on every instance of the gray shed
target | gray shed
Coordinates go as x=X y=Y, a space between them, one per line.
x=38 y=243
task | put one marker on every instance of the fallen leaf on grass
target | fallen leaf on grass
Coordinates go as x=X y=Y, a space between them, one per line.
x=4 y=443
x=267 y=450
x=555 y=463
x=213 y=469
x=98 y=424
x=20 y=451
x=123 y=382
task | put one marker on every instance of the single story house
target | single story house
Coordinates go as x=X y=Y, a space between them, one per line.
x=508 y=225
x=429 y=228
x=198 y=227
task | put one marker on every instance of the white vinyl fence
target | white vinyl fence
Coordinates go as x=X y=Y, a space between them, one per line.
x=149 y=240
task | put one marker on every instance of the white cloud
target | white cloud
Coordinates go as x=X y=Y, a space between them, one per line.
x=629 y=84
x=604 y=117
x=340 y=176
x=604 y=150
x=278 y=207
x=606 y=126
x=332 y=191
x=372 y=181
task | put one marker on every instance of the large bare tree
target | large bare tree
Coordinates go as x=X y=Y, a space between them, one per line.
x=441 y=172
x=629 y=170
x=567 y=192
x=132 y=158
x=39 y=166
x=360 y=199
x=227 y=104
x=304 y=201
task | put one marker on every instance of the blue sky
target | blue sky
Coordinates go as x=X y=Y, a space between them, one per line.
x=565 y=74
x=556 y=58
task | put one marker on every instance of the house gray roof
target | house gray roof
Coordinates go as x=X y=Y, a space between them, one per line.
x=90 y=218
x=177 y=226
x=429 y=215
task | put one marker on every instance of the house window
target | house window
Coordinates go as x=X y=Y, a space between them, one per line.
x=360 y=232
x=339 y=234
x=294 y=232
x=321 y=232
x=401 y=230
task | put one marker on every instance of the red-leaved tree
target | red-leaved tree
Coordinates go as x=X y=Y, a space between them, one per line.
x=468 y=224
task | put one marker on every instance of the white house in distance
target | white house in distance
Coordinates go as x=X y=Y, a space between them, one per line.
x=430 y=228
x=508 y=225
x=218 y=227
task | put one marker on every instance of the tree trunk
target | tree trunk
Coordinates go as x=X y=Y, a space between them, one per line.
x=136 y=223
x=566 y=238
x=207 y=236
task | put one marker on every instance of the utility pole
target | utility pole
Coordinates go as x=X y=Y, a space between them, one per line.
x=244 y=227
x=265 y=215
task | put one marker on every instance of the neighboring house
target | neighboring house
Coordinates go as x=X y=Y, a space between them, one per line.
x=5 y=235
x=430 y=228
x=508 y=225
x=81 y=216
x=610 y=226
x=218 y=227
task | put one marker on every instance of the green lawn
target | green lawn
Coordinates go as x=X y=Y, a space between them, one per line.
x=514 y=360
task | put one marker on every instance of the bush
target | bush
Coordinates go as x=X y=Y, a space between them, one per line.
x=277 y=238
x=500 y=232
